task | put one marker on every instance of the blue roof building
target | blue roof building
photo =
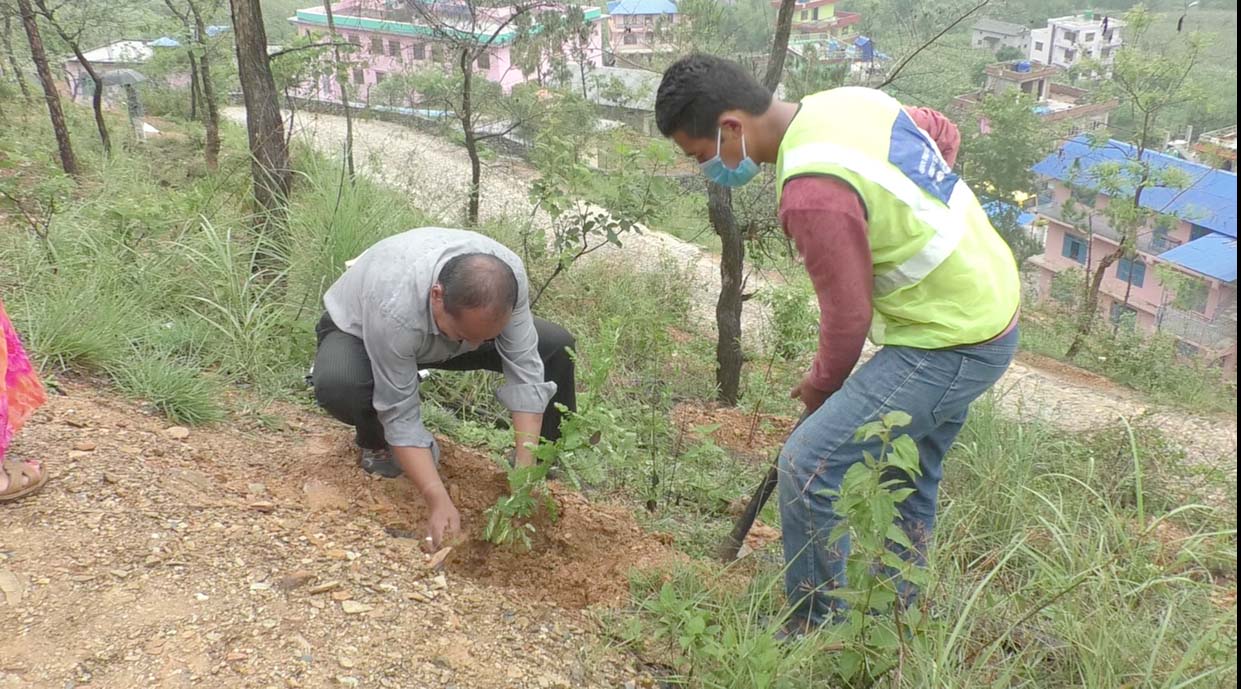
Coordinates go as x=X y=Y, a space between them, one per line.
x=1196 y=236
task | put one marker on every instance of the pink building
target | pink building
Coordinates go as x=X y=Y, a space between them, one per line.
x=638 y=30
x=392 y=38
x=1198 y=240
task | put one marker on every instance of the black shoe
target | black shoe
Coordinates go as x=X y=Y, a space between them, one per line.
x=379 y=463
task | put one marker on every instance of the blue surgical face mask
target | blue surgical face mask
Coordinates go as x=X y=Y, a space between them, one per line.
x=716 y=171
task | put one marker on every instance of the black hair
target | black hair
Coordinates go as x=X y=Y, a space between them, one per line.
x=697 y=88
x=476 y=280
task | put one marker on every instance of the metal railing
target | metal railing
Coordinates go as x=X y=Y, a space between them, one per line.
x=1195 y=327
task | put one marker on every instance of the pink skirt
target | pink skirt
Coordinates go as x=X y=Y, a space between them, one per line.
x=21 y=391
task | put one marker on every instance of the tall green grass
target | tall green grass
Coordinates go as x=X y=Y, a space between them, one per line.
x=1042 y=576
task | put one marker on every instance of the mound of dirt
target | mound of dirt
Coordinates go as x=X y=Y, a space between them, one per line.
x=581 y=559
x=257 y=554
x=745 y=435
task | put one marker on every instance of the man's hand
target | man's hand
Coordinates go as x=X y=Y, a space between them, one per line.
x=444 y=522
x=526 y=427
x=419 y=465
x=809 y=395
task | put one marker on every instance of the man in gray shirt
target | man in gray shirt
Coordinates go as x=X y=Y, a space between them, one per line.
x=435 y=298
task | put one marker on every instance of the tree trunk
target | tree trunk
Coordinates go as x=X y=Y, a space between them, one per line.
x=1086 y=320
x=12 y=58
x=96 y=100
x=194 y=88
x=471 y=142
x=269 y=154
x=68 y=161
x=728 y=358
x=779 y=44
x=342 y=82
x=211 y=110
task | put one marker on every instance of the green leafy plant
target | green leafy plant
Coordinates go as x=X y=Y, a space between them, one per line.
x=877 y=624
x=508 y=521
x=795 y=321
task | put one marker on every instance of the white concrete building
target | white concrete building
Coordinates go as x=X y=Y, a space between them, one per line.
x=1067 y=41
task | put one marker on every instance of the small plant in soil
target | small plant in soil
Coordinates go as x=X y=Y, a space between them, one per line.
x=879 y=623
x=508 y=521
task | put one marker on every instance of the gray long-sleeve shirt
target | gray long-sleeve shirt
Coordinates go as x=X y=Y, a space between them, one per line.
x=384 y=298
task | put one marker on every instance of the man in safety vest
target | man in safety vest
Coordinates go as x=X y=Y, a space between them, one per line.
x=897 y=247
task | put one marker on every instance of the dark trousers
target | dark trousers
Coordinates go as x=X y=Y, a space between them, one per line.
x=344 y=385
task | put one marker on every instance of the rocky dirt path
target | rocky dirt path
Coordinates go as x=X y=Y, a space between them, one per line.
x=247 y=556
x=434 y=173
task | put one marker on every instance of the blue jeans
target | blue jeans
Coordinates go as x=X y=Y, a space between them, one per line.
x=935 y=387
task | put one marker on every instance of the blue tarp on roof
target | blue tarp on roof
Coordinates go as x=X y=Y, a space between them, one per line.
x=623 y=7
x=1213 y=255
x=165 y=42
x=217 y=29
x=1210 y=201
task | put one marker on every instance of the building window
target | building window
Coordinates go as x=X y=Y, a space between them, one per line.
x=1070 y=36
x=1186 y=349
x=1069 y=55
x=1089 y=37
x=358 y=76
x=630 y=39
x=377 y=45
x=355 y=39
x=394 y=49
x=379 y=77
x=1197 y=232
x=815 y=14
x=1074 y=249
x=803 y=15
x=420 y=51
x=1038 y=46
x=484 y=61
x=1107 y=35
x=1131 y=271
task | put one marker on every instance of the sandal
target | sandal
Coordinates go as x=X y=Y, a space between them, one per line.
x=23 y=480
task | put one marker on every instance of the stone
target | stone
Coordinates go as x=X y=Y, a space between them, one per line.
x=11 y=587
x=324 y=587
x=353 y=607
x=295 y=579
x=438 y=558
x=84 y=446
x=177 y=432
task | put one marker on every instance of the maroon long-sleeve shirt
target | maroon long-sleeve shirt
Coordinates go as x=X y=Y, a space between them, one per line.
x=826 y=220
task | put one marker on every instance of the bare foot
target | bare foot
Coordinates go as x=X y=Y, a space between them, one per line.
x=24 y=480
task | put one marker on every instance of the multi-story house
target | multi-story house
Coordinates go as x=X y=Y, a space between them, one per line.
x=1196 y=242
x=1068 y=41
x=638 y=29
x=992 y=34
x=1053 y=102
x=393 y=38
x=817 y=21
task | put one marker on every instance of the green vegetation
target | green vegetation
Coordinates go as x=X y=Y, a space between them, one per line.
x=1061 y=560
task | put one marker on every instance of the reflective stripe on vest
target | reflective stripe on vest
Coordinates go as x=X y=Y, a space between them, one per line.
x=948 y=229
